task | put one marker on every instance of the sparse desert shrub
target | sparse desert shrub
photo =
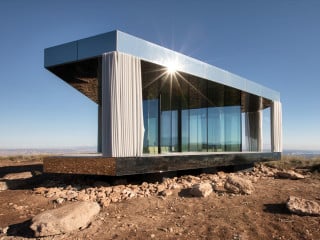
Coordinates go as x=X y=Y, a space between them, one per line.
x=294 y=162
x=23 y=158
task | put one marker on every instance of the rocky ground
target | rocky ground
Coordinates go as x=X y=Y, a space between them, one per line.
x=188 y=205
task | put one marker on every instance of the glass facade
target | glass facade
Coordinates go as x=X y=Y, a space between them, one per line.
x=183 y=113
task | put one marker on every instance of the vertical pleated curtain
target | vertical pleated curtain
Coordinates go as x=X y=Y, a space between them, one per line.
x=276 y=126
x=122 y=110
x=253 y=131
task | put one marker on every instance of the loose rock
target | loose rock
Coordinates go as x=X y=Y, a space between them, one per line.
x=59 y=200
x=4 y=230
x=3 y=186
x=302 y=206
x=166 y=193
x=15 y=176
x=235 y=184
x=74 y=216
x=289 y=174
x=201 y=190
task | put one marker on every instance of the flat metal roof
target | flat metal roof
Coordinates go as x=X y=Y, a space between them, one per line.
x=119 y=41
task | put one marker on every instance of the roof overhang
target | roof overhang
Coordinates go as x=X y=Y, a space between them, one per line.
x=93 y=47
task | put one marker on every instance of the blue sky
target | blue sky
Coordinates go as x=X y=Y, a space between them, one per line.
x=275 y=43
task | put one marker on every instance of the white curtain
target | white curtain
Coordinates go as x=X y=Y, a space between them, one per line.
x=122 y=110
x=276 y=127
x=253 y=131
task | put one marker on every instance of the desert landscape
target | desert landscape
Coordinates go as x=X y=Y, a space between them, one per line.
x=272 y=200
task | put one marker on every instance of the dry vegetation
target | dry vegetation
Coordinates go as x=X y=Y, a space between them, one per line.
x=296 y=162
x=21 y=160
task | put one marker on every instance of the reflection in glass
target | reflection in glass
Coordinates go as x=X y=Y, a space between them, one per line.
x=189 y=114
x=150 y=118
x=185 y=123
x=232 y=129
x=216 y=139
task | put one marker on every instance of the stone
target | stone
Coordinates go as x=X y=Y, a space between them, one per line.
x=289 y=174
x=269 y=172
x=302 y=206
x=4 y=230
x=166 y=193
x=236 y=184
x=201 y=190
x=82 y=196
x=160 y=188
x=185 y=183
x=107 y=190
x=71 y=195
x=222 y=175
x=40 y=190
x=59 y=200
x=3 y=186
x=175 y=186
x=15 y=176
x=68 y=218
x=115 y=197
x=128 y=194
x=105 y=202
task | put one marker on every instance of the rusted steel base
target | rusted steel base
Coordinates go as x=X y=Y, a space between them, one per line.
x=95 y=165
x=98 y=165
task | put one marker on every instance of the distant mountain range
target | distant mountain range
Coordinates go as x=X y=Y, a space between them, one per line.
x=34 y=151
x=304 y=153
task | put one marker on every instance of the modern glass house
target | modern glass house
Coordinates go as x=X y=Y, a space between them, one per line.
x=159 y=110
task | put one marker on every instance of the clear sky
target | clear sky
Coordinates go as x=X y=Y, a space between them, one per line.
x=275 y=43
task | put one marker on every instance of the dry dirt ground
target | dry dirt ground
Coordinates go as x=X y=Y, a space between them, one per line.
x=261 y=215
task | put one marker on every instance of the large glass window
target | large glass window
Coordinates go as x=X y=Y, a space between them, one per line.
x=198 y=130
x=169 y=131
x=216 y=133
x=232 y=129
x=185 y=127
x=150 y=117
x=188 y=114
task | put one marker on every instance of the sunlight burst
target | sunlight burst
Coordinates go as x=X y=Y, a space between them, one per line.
x=172 y=67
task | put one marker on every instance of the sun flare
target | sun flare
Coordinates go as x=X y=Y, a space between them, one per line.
x=172 y=67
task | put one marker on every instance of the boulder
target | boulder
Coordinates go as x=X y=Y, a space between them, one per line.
x=201 y=190
x=303 y=207
x=289 y=174
x=235 y=184
x=15 y=176
x=67 y=218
